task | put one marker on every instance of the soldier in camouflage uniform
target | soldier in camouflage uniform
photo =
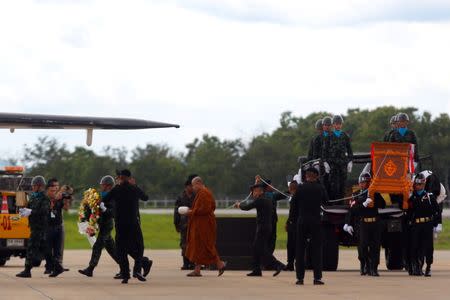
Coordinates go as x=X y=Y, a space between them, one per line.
x=405 y=135
x=338 y=154
x=394 y=123
x=316 y=141
x=106 y=224
x=37 y=213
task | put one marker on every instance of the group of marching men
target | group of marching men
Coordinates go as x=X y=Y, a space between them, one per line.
x=119 y=208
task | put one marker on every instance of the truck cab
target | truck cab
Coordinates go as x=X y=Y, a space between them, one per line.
x=14 y=230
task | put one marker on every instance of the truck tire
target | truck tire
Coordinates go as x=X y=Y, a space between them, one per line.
x=330 y=249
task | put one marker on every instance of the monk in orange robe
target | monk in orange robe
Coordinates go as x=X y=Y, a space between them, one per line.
x=201 y=236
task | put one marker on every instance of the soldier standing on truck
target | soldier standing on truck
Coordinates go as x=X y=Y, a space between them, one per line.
x=394 y=123
x=366 y=210
x=425 y=217
x=316 y=141
x=405 y=135
x=37 y=213
x=338 y=154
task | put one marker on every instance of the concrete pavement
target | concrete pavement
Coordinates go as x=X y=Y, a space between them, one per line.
x=166 y=281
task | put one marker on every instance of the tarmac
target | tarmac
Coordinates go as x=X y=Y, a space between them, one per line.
x=166 y=281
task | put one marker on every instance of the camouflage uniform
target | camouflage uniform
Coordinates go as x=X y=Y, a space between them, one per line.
x=388 y=135
x=37 y=247
x=181 y=223
x=409 y=137
x=337 y=151
x=104 y=239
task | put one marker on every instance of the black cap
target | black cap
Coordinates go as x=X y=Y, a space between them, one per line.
x=257 y=185
x=124 y=172
x=312 y=170
x=189 y=179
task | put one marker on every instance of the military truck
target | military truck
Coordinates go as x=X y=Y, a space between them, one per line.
x=14 y=230
x=392 y=217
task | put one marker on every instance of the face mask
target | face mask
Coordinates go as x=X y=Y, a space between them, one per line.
x=421 y=192
x=36 y=194
x=325 y=133
x=337 y=133
x=103 y=194
x=402 y=131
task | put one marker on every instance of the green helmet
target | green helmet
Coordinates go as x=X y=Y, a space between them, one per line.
x=108 y=179
x=38 y=180
x=338 y=119
x=327 y=121
x=403 y=117
x=319 y=124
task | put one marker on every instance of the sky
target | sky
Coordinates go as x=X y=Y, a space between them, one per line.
x=223 y=67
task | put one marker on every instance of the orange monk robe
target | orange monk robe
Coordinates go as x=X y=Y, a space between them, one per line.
x=201 y=237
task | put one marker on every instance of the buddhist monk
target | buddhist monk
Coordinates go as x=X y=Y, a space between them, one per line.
x=201 y=239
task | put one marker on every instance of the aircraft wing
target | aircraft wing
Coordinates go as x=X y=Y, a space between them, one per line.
x=34 y=121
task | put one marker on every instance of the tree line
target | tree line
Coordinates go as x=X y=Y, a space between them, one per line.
x=229 y=166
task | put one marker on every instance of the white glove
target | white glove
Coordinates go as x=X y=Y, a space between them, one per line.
x=183 y=210
x=102 y=206
x=349 y=167
x=415 y=165
x=367 y=202
x=348 y=229
x=438 y=228
x=24 y=212
x=327 y=167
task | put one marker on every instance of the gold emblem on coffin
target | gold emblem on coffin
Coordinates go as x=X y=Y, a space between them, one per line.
x=390 y=168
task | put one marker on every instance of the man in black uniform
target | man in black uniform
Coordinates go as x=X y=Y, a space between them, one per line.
x=124 y=199
x=366 y=210
x=424 y=214
x=181 y=221
x=105 y=224
x=305 y=211
x=316 y=141
x=264 y=210
x=337 y=152
x=405 y=135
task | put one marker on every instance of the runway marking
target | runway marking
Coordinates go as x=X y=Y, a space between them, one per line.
x=28 y=285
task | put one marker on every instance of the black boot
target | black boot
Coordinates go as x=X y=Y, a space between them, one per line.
x=363 y=269
x=87 y=272
x=416 y=270
x=57 y=271
x=25 y=273
x=289 y=267
x=374 y=271
x=146 y=266
x=428 y=271
x=139 y=277
x=255 y=273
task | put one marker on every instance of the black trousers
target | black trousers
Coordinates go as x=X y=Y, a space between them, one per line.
x=54 y=241
x=273 y=236
x=129 y=241
x=261 y=252
x=104 y=241
x=369 y=243
x=291 y=243
x=314 y=232
x=338 y=177
x=422 y=243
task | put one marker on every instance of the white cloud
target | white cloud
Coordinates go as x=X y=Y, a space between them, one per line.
x=162 y=61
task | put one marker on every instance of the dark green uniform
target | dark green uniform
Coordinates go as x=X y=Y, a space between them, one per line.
x=408 y=137
x=37 y=248
x=104 y=238
x=181 y=223
x=337 y=151
x=387 y=136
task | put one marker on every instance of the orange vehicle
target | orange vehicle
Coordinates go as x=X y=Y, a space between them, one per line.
x=14 y=230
